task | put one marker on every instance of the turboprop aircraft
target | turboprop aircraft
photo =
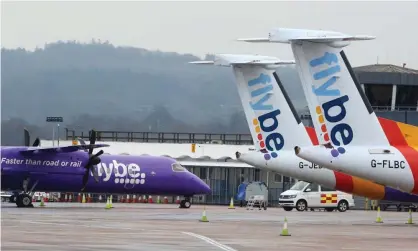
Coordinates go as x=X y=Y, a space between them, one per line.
x=276 y=128
x=352 y=139
x=68 y=168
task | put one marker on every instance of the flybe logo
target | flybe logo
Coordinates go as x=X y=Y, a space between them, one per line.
x=332 y=111
x=121 y=173
x=265 y=124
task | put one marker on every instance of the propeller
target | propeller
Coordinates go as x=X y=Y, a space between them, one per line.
x=93 y=160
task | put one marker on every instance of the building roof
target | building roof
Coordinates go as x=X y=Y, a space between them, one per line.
x=204 y=155
x=389 y=68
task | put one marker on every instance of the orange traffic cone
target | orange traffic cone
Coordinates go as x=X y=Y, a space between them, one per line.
x=150 y=199
x=178 y=200
x=165 y=200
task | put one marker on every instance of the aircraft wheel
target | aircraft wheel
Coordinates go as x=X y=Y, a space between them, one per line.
x=24 y=200
x=185 y=204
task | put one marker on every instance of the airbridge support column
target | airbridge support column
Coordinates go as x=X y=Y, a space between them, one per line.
x=394 y=92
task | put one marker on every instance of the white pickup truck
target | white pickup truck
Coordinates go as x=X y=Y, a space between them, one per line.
x=303 y=195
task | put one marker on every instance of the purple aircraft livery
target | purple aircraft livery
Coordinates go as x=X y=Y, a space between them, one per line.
x=67 y=169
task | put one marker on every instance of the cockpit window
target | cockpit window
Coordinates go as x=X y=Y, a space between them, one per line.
x=178 y=168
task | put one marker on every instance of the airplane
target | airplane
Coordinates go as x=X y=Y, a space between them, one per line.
x=68 y=168
x=276 y=127
x=352 y=139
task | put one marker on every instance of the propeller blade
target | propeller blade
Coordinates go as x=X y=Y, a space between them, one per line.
x=95 y=172
x=99 y=153
x=85 y=179
x=36 y=142
x=92 y=140
x=92 y=137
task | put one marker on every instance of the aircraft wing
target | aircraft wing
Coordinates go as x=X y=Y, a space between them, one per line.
x=59 y=149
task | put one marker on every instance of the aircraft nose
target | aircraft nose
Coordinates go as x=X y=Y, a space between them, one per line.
x=201 y=186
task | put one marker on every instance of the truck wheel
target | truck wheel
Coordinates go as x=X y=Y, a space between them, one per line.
x=342 y=206
x=288 y=208
x=301 y=205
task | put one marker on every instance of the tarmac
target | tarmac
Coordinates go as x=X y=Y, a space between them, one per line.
x=76 y=227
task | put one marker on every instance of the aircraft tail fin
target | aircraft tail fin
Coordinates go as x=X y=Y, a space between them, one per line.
x=272 y=119
x=338 y=105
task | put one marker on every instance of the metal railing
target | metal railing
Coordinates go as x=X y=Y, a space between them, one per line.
x=164 y=137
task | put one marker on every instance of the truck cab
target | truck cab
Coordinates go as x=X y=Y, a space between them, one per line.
x=303 y=195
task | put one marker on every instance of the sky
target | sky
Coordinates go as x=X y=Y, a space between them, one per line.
x=201 y=27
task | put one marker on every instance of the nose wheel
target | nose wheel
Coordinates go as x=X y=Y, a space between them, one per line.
x=185 y=203
x=24 y=200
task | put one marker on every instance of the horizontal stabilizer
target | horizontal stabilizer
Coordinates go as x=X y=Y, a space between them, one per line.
x=285 y=35
x=255 y=40
x=60 y=149
x=244 y=59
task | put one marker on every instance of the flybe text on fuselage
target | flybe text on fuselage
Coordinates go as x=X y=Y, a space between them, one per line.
x=122 y=173
x=265 y=122
x=111 y=170
x=325 y=73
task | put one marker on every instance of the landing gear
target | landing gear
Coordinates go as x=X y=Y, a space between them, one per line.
x=24 y=200
x=185 y=203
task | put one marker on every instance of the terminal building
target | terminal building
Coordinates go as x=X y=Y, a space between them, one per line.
x=391 y=90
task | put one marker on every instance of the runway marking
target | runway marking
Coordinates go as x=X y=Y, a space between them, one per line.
x=210 y=241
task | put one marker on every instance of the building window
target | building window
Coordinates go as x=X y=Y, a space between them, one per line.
x=257 y=175
x=406 y=96
x=277 y=177
x=379 y=95
x=203 y=173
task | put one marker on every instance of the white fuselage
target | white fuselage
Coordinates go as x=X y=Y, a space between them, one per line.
x=288 y=164
x=369 y=162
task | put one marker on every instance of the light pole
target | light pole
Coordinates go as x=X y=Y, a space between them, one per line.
x=55 y=120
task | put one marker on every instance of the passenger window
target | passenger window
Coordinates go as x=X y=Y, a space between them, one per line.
x=313 y=187
x=326 y=189
x=178 y=168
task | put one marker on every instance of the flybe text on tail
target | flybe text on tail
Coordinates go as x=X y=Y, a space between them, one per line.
x=325 y=71
x=265 y=122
